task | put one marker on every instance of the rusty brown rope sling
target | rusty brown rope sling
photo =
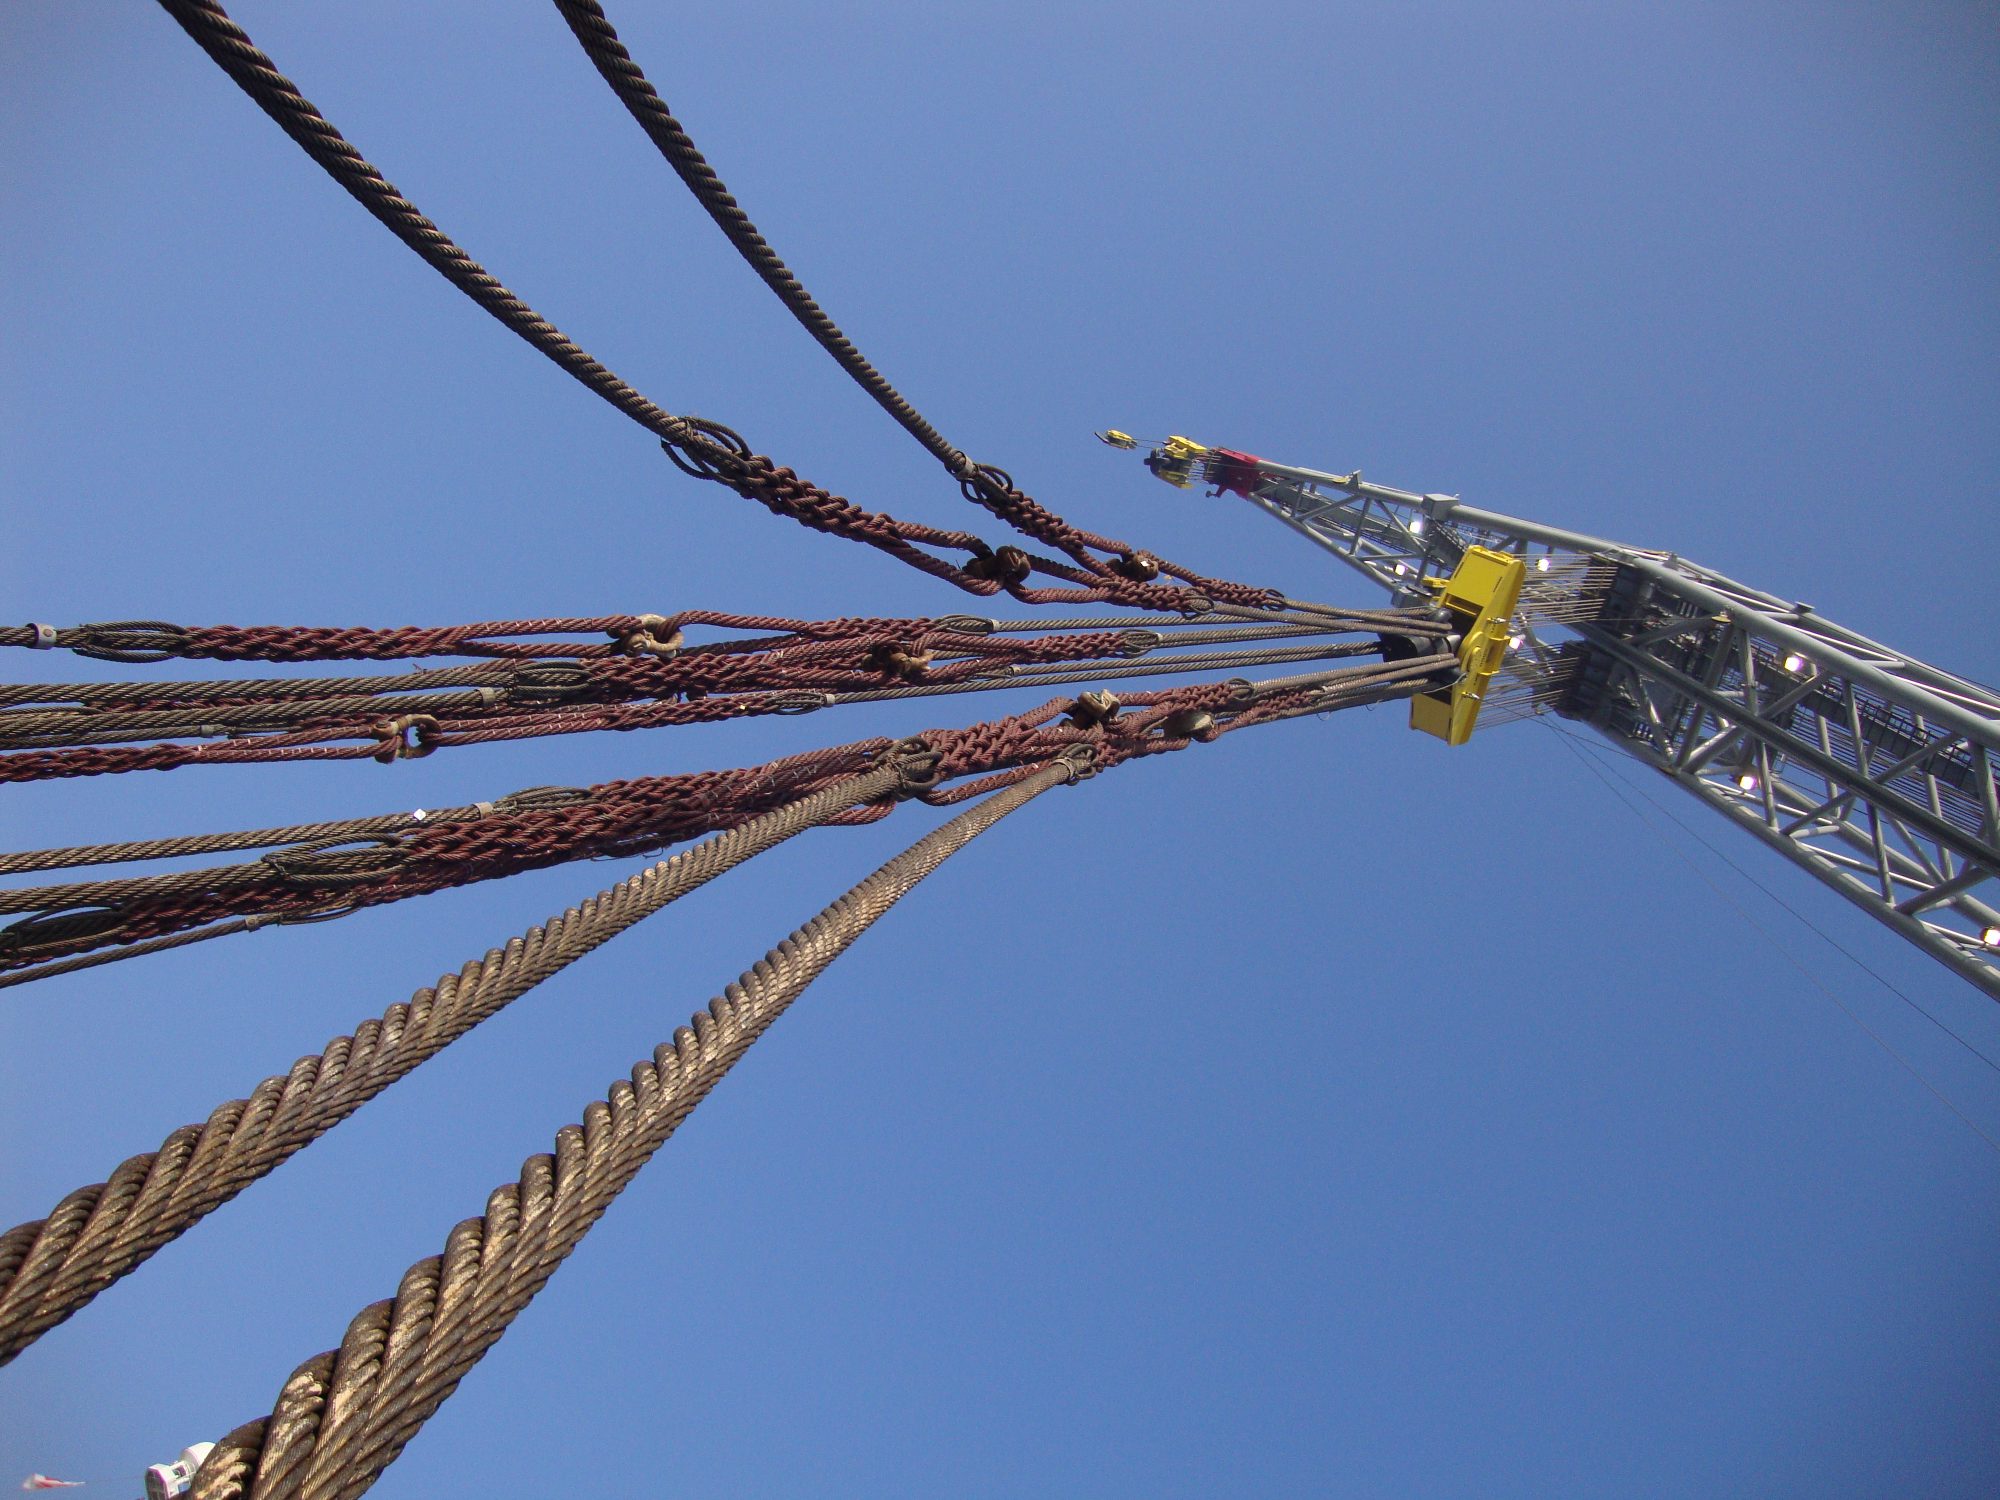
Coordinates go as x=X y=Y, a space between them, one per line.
x=648 y=677
x=983 y=484
x=344 y=872
x=51 y=1267
x=344 y=1416
x=704 y=449
x=146 y=642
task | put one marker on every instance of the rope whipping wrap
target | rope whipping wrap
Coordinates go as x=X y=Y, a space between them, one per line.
x=983 y=484
x=344 y=1416
x=50 y=1268
x=698 y=447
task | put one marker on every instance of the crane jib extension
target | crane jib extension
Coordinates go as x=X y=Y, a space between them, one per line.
x=1872 y=770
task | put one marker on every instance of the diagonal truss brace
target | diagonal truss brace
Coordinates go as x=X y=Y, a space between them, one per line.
x=1873 y=771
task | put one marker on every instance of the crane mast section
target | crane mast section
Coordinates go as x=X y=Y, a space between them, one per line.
x=1870 y=769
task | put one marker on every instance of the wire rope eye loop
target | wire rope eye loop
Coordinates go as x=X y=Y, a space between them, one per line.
x=967 y=624
x=1079 y=760
x=306 y=918
x=918 y=767
x=1133 y=643
x=707 y=450
x=338 y=861
x=986 y=482
x=40 y=931
x=405 y=737
x=547 y=681
x=1194 y=604
x=800 y=701
x=530 y=798
x=135 y=641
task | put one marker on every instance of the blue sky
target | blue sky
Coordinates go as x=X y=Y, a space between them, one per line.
x=1318 y=1112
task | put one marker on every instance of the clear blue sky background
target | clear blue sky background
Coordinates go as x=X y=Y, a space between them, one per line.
x=1318 y=1112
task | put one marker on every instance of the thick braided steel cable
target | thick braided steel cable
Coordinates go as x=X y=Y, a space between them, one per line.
x=310 y=882
x=51 y=1267
x=223 y=40
x=344 y=1416
x=697 y=446
x=317 y=882
x=22 y=703
x=144 y=642
x=356 y=716
x=600 y=41
x=981 y=483
x=778 y=489
x=131 y=950
x=625 y=694
x=184 y=845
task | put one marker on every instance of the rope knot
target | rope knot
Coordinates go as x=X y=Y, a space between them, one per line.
x=405 y=737
x=1190 y=724
x=650 y=637
x=898 y=659
x=1093 y=709
x=1006 y=566
x=1140 y=567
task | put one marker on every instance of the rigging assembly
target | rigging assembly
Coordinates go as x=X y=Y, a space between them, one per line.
x=1873 y=771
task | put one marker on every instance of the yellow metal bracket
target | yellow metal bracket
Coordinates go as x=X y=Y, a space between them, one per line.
x=1480 y=594
x=1174 y=460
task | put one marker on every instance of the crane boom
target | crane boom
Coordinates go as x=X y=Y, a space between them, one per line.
x=1872 y=770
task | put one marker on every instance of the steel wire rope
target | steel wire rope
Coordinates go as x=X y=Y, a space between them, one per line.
x=345 y=1415
x=701 y=448
x=80 y=742
x=984 y=484
x=321 y=880
x=51 y=1267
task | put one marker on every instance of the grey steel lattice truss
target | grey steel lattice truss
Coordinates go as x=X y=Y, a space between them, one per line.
x=1872 y=770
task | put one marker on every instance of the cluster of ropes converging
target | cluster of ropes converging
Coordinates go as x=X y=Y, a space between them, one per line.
x=1255 y=656
x=1873 y=771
